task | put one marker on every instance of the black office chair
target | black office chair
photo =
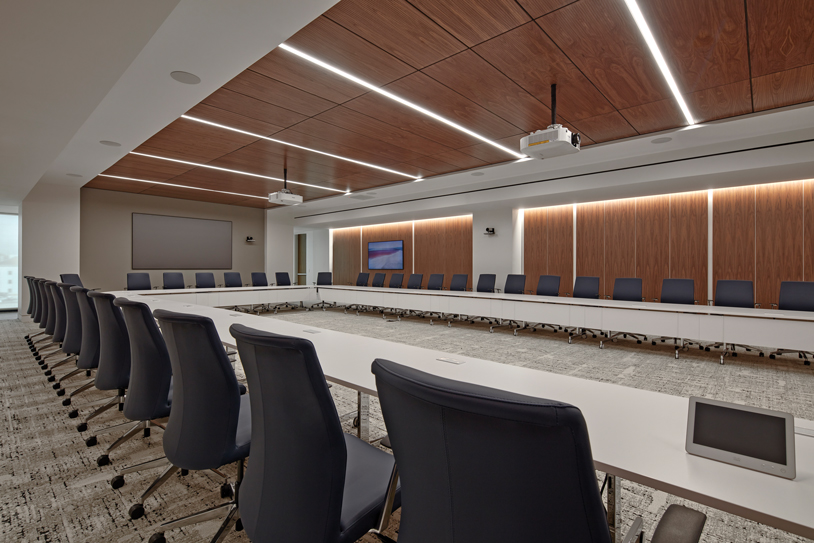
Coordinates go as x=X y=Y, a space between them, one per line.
x=677 y=291
x=204 y=280
x=283 y=279
x=44 y=309
x=795 y=296
x=173 y=280
x=732 y=293
x=486 y=282
x=72 y=345
x=523 y=466
x=36 y=315
x=436 y=281
x=322 y=485
x=515 y=284
x=586 y=288
x=210 y=422
x=88 y=359
x=324 y=279
x=458 y=283
x=415 y=280
x=71 y=279
x=259 y=279
x=396 y=280
x=362 y=279
x=547 y=285
x=378 y=280
x=138 y=281
x=56 y=325
x=232 y=280
x=71 y=334
x=28 y=279
x=626 y=289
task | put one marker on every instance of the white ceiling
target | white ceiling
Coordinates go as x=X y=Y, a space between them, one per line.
x=74 y=73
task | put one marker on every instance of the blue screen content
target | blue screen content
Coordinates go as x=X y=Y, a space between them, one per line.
x=385 y=255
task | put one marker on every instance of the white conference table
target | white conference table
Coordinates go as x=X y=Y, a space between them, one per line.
x=635 y=434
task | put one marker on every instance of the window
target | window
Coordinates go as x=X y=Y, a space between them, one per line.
x=8 y=260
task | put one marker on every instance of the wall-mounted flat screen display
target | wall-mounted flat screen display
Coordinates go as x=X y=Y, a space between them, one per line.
x=385 y=255
x=162 y=242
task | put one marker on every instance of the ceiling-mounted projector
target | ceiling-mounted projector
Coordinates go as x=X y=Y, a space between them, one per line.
x=285 y=198
x=556 y=140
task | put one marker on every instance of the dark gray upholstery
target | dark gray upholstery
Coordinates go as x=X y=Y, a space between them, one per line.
x=459 y=281
x=89 y=353
x=628 y=289
x=481 y=465
x=72 y=341
x=28 y=279
x=306 y=481
x=42 y=306
x=114 y=344
x=586 y=287
x=259 y=279
x=677 y=291
x=59 y=312
x=149 y=395
x=515 y=284
x=138 y=281
x=548 y=285
x=210 y=422
x=324 y=279
x=50 y=317
x=232 y=280
x=361 y=280
x=173 y=280
x=71 y=278
x=35 y=288
x=282 y=279
x=679 y=524
x=204 y=280
x=486 y=282
x=436 y=281
x=729 y=293
x=396 y=280
x=796 y=296
x=378 y=280
x=415 y=280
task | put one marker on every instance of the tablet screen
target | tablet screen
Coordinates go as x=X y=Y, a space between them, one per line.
x=741 y=432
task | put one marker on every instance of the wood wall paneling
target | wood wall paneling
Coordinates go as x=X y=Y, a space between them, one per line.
x=535 y=246
x=733 y=235
x=652 y=243
x=778 y=239
x=620 y=241
x=688 y=240
x=591 y=242
x=347 y=255
x=560 y=228
x=390 y=232
x=443 y=246
x=808 y=232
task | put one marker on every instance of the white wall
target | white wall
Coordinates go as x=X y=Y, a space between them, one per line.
x=279 y=245
x=493 y=254
x=320 y=262
x=49 y=233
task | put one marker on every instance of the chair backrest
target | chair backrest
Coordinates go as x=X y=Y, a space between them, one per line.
x=205 y=395
x=378 y=280
x=173 y=280
x=515 y=284
x=586 y=287
x=232 y=280
x=459 y=281
x=415 y=280
x=72 y=342
x=290 y=493
x=30 y=295
x=729 y=293
x=138 y=281
x=361 y=280
x=548 y=285
x=521 y=464
x=325 y=278
x=396 y=280
x=204 y=280
x=628 y=289
x=39 y=301
x=282 y=279
x=71 y=279
x=436 y=281
x=259 y=279
x=51 y=317
x=59 y=312
x=796 y=296
x=150 y=368
x=89 y=353
x=43 y=300
x=486 y=282
x=677 y=291
x=114 y=344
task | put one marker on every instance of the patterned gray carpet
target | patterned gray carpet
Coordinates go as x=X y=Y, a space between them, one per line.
x=51 y=489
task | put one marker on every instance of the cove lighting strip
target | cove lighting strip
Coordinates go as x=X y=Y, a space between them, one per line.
x=210 y=123
x=633 y=7
x=398 y=99
x=182 y=186
x=238 y=172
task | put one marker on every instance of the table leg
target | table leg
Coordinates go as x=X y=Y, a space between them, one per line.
x=362 y=411
x=614 y=507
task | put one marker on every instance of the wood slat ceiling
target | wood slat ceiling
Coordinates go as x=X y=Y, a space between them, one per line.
x=485 y=64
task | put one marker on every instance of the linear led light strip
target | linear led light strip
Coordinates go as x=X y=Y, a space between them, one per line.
x=633 y=7
x=299 y=146
x=398 y=99
x=182 y=186
x=237 y=171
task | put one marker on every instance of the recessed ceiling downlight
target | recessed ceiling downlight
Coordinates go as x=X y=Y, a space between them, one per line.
x=73 y=175
x=110 y=143
x=185 y=78
x=665 y=139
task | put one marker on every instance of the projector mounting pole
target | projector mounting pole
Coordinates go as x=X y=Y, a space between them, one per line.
x=554 y=104
x=285 y=178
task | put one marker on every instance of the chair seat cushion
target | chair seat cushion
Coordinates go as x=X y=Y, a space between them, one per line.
x=367 y=474
x=243 y=436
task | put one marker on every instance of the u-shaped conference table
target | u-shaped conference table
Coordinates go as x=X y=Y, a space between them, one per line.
x=636 y=435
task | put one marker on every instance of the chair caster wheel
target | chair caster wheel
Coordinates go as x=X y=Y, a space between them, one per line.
x=157 y=538
x=82 y=427
x=734 y=354
x=184 y=472
x=594 y=336
x=761 y=355
x=772 y=356
x=73 y=414
x=639 y=341
x=91 y=441
x=226 y=491
x=807 y=363
x=117 y=482
x=137 y=511
x=61 y=392
x=47 y=372
x=652 y=342
x=103 y=460
x=51 y=379
x=239 y=525
x=66 y=402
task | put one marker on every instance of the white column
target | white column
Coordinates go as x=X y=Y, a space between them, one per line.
x=494 y=253
x=279 y=245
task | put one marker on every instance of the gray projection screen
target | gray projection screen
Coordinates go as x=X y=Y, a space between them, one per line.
x=161 y=242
